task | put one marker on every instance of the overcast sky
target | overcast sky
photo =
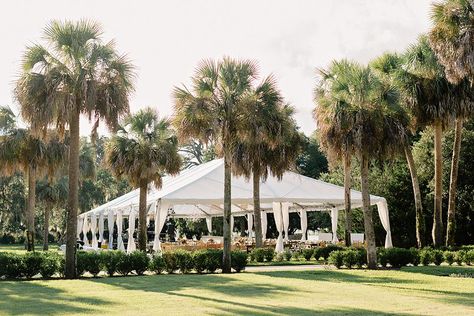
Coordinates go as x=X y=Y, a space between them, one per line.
x=166 y=39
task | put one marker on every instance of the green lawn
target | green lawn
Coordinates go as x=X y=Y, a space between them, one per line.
x=21 y=248
x=411 y=291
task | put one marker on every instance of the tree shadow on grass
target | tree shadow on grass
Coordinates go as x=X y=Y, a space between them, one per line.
x=19 y=298
x=439 y=270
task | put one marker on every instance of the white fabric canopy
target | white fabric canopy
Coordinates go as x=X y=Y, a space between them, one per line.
x=286 y=218
x=198 y=193
x=80 y=222
x=161 y=212
x=334 y=218
x=101 y=227
x=264 y=225
x=94 y=245
x=110 y=224
x=277 y=213
x=85 y=230
x=250 y=225
x=304 y=224
x=209 y=224
x=131 y=229
x=120 y=245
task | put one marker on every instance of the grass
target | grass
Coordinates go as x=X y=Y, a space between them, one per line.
x=410 y=291
x=20 y=248
x=292 y=262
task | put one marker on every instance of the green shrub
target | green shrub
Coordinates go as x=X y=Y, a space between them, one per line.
x=93 y=262
x=269 y=254
x=13 y=265
x=200 y=260
x=81 y=264
x=308 y=253
x=326 y=251
x=426 y=256
x=361 y=257
x=336 y=258
x=157 y=264
x=170 y=261
x=258 y=254
x=184 y=260
x=437 y=257
x=214 y=260
x=449 y=257
x=382 y=257
x=398 y=257
x=350 y=258
x=32 y=264
x=238 y=260
x=469 y=257
x=280 y=257
x=110 y=260
x=459 y=257
x=50 y=264
x=415 y=256
x=287 y=255
x=3 y=263
x=318 y=252
x=296 y=255
x=139 y=261
x=124 y=264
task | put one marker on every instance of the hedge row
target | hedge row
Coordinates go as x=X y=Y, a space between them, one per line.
x=399 y=257
x=317 y=253
x=48 y=264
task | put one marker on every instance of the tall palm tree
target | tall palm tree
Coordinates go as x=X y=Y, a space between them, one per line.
x=20 y=150
x=211 y=110
x=434 y=101
x=452 y=39
x=74 y=73
x=377 y=123
x=143 y=150
x=335 y=123
x=268 y=141
x=388 y=66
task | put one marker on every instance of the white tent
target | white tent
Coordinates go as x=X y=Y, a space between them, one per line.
x=199 y=192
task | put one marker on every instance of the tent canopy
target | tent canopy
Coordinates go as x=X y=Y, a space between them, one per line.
x=198 y=192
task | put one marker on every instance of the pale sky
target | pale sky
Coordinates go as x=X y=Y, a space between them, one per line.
x=166 y=39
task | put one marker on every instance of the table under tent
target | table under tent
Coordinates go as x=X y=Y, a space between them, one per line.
x=198 y=192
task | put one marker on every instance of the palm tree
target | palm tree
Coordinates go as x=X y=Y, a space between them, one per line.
x=143 y=150
x=22 y=151
x=452 y=39
x=212 y=111
x=74 y=73
x=268 y=141
x=52 y=193
x=335 y=122
x=388 y=67
x=373 y=124
x=434 y=102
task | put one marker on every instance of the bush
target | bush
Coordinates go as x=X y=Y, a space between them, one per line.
x=139 y=261
x=12 y=266
x=361 y=257
x=469 y=257
x=437 y=256
x=325 y=251
x=184 y=260
x=426 y=256
x=280 y=257
x=93 y=262
x=258 y=254
x=157 y=264
x=81 y=264
x=336 y=258
x=459 y=257
x=287 y=255
x=415 y=256
x=350 y=258
x=170 y=261
x=269 y=254
x=449 y=257
x=238 y=260
x=382 y=257
x=296 y=255
x=214 y=260
x=200 y=258
x=50 y=264
x=398 y=257
x=308 y=253
x=111 y=259
x=32 y=264
x=124 y=264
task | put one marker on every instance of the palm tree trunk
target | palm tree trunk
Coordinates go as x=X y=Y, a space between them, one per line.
x=451 y=223
x=347 y=198
x=420 y=221
x=47 y=209
x=256 y=207
x=30 y=209
x=226 y=267
x=438 y=211
x=368 y=217
x=73 y=197
x=142 y=229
